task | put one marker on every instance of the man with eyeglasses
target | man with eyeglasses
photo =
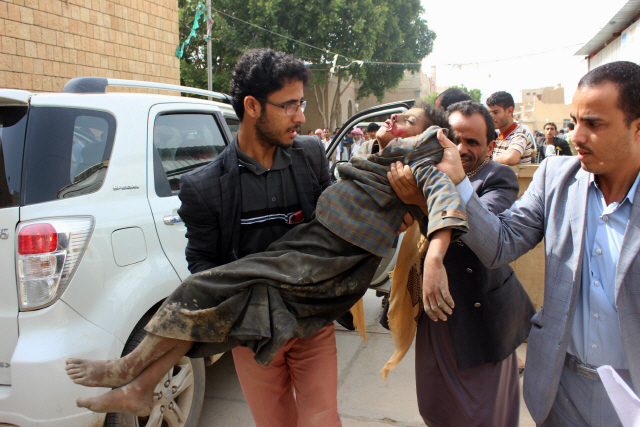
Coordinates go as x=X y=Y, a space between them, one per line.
x=267 y=181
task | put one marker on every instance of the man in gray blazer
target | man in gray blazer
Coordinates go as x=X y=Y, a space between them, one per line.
x=587 y=209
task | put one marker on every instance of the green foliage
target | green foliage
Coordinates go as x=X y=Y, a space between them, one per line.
x=368 y=30
x=431 y=99
x=475 y=94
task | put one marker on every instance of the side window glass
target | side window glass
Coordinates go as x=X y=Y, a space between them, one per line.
x=87 y=150
x=233 y=124
x=182 y=143
x=13 y=127
x=67 y=152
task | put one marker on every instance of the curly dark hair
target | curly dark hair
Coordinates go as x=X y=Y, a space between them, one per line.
x=260 y=72
x=501 y=99
x=469 y=108
x=626 y=76
x=434 y=116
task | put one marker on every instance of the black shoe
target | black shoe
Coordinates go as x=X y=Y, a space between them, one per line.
x=346 y=321
x=385 y=299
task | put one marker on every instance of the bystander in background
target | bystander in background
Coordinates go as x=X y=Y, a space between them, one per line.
x=514 y=143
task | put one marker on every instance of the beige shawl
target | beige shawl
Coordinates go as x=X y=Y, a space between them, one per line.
x=405 y=298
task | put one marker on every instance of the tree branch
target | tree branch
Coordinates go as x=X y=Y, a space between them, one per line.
x=346 y=86
x=321 y=106
x=336 y=98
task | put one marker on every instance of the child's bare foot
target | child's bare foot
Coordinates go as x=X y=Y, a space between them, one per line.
x=100 y=373
x=130 y=399
x=116 y=373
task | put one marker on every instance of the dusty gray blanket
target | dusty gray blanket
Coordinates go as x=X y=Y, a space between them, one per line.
x=301 y=283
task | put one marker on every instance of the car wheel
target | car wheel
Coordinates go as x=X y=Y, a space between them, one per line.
x=178 y=397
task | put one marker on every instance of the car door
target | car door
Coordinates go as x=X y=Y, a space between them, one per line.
x=380 y=279
x=181 y=138
x=13 y=120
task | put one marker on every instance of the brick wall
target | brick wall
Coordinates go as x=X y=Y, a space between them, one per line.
x=47 y=42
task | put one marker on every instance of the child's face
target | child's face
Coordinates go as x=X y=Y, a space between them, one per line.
x=410 y=123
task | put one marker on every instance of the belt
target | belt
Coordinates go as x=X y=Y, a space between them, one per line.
x=590 y=371
x=580 y=368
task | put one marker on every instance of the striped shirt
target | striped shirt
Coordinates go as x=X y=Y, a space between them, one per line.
x=516 y=138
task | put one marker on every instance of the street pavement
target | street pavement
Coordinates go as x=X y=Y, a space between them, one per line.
x=363 y=399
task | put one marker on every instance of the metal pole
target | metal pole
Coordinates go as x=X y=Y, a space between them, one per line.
x=209 y=77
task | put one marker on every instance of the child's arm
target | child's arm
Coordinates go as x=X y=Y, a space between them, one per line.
x=435 y=286
x=404 y=184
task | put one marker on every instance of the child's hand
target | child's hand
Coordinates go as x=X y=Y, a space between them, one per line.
x=435 y=291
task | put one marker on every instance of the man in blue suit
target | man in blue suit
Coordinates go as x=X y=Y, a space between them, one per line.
x=587 y=209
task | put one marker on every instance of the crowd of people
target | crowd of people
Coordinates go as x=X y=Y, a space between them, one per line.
x=515 y=143
x=277 y=254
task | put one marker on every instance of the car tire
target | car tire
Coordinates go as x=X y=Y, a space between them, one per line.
x=187 y=378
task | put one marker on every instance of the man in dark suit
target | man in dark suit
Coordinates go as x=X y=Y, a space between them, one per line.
x=551 y=139
x=266 y=182
x=466 y=368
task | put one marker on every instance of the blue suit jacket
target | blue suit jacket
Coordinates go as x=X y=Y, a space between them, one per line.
x=554 y=208
x=211 y=200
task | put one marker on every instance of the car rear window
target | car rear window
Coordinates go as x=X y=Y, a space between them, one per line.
x=67 y=152
x=13 y=123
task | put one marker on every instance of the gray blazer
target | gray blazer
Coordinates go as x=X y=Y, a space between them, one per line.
x=554 y=208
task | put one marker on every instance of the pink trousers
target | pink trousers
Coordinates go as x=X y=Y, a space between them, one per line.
x=308 y=366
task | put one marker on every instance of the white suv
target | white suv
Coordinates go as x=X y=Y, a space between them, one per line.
x=91 y=242
x=90 y=239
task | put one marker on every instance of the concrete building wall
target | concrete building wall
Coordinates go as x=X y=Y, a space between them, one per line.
x=427 y=83
x=549 y=95
x=318 y=97
x=537 y=114
x=47 y=42
x=410 y=87
x=413 y=86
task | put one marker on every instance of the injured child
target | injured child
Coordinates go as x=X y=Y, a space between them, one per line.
x=302 y=282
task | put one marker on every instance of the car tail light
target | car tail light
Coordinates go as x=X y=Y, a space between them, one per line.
x=37 y=239
x=48 y=253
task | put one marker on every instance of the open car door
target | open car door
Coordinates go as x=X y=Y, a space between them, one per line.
x=380 y=280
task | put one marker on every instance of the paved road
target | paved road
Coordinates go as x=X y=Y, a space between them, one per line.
x=364 y=400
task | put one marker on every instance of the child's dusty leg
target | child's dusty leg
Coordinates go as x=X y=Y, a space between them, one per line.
x=116 y=373
x=435 y=286
x=137 y=397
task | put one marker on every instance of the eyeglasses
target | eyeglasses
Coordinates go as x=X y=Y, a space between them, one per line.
x=290 y=109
